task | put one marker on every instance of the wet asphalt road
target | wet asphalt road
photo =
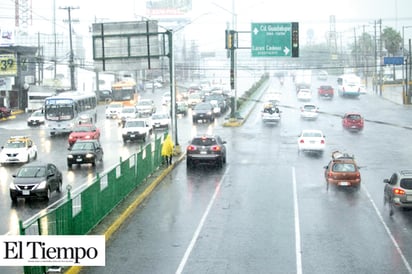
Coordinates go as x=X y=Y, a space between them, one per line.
x=268 y=210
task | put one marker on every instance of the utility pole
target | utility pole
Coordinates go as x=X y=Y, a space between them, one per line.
x=71 y=56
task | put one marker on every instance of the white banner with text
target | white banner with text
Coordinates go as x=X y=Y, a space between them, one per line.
x=62 y=250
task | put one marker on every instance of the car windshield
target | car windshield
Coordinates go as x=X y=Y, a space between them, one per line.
x=309 y=107
x=203 y=107
x=354 y=117
x=83 y=146
x=134 y=124
x=343 y=167
x=84 y=129
x=37 y=114
x=30 y=172
x=14 y=145
x=204 y=141
x=128 y=110
x=159 y=116
x=311 y=134
x=144 y=103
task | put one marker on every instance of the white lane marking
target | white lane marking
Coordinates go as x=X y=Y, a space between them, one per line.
x=395 y=243
x=199 y=227
x=298 y=248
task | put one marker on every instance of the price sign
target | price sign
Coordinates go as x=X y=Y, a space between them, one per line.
x=8 y=65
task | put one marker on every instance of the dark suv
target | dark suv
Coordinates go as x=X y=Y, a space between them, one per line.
x=85 y=152
x=398 y=190
x=206 y=150
x=203 y=111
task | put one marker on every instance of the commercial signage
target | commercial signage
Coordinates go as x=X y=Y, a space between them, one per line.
x=8 y=65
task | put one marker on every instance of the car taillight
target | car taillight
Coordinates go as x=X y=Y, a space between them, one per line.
x=322 y=141
x=302 y=141
x=398 y=191
x=191 y=148
x=215 y=148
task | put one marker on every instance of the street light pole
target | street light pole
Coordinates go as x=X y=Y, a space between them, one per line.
x=406 y=79
x=71 y=56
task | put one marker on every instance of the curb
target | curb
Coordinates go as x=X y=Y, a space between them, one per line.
x=117 y=223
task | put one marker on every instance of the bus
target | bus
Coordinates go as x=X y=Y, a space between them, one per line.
x=125 y=91
x=65 y=110
x=349 y=85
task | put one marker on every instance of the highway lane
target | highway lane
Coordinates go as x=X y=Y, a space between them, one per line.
x=268 y=210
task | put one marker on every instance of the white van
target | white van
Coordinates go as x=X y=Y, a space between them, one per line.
x=349 y=85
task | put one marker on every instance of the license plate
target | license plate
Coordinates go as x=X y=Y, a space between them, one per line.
x=26 y=192
x=203 y=152
x=132 y=135
x=79 y=160
x=312 y=142
x=409 y=198
x=343 y=183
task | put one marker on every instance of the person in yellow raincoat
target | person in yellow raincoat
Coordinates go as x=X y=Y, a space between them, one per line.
x=167 y=150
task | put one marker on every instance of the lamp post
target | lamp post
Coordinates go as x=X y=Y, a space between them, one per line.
x=232 y=55
x=71 y=57
x=408 y=62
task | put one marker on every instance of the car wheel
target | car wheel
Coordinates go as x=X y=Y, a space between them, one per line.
x=28 y=158
x=94 y=162
x=219 y=162
x=124 y=140
x=189 y=163
x=35 y=155
x=13 y=198
x=69 y=165
x=60 y=186
x=48 y=194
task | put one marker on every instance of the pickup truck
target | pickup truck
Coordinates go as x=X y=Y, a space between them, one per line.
x=136 y=129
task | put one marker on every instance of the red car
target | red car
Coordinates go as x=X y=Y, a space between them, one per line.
x=84 y=132
x=5 y=112
x=326 y=91
x=353 y=121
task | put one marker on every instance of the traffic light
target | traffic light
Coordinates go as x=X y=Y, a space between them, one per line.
x=295 y=39
x=229 y=39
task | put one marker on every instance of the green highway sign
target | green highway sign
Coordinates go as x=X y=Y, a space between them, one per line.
x=271 y=39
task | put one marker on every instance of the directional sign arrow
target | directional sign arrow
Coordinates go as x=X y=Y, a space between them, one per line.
x=255 y=31
x=286 y=51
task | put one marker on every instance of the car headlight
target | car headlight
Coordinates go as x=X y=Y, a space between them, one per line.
x=89 y=155
x=69 y=156
x=42 y=185
x=12 y=186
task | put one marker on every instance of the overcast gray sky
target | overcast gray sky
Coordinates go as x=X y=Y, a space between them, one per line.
x=210 y=17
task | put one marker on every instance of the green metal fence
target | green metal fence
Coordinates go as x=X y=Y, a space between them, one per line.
x=84 y=208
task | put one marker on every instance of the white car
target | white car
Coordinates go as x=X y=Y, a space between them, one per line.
x=166 y=99
x=18 y=149
x=113 y=110
x=145 y=107
x=309 y=112
x=304 y=94
x=311 y=140
x=160 y=120
x=127 y=112
x=36 y=118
